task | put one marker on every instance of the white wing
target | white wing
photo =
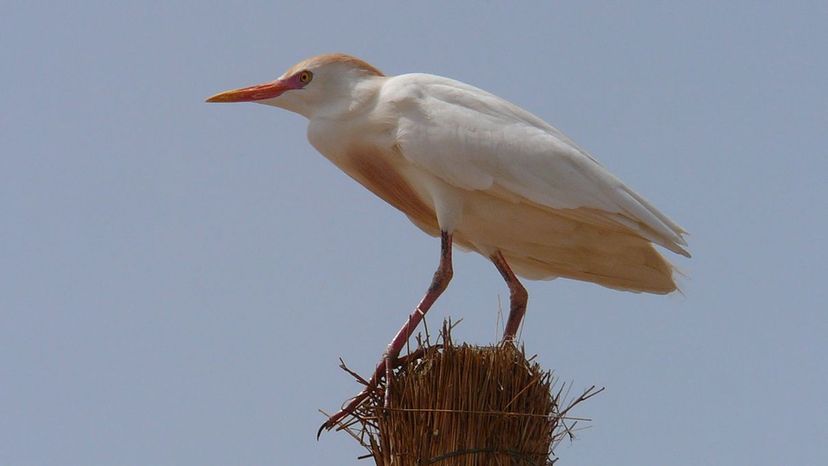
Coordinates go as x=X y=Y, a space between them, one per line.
x=478 y=141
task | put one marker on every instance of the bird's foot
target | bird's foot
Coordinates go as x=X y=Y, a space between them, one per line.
x=349 y=409
x=384 y=368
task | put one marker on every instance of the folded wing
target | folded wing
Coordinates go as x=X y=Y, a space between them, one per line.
x=477 y=141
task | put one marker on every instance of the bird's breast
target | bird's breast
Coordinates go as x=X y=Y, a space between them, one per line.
x=389 y=177
x=372 y=161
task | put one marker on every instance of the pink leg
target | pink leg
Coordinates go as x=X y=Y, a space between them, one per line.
x=438 y=284
x=517 y=297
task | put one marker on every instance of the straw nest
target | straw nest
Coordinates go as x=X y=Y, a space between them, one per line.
x=453 y=405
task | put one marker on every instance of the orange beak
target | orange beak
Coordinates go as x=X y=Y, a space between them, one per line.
x=253 y=93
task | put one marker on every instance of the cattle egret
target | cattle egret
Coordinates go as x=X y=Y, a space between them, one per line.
x=479 y=172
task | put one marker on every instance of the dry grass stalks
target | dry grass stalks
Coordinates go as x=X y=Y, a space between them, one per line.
x=465 y=405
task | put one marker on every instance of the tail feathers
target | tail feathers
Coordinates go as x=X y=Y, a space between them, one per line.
x=672 y=240
x=638 y=269
x=582 y=244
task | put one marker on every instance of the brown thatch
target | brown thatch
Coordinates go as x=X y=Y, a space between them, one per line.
x=465 y=405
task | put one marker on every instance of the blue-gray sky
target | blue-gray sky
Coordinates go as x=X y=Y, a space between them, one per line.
x=177 y=279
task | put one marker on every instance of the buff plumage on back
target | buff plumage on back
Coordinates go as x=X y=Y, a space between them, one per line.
x=327 y=58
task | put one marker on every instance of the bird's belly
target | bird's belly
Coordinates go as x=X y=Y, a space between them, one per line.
x=493 y=223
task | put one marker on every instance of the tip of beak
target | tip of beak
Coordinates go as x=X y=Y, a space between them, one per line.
x=220 y=97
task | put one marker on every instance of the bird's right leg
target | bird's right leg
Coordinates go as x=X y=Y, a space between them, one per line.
x=439 y=283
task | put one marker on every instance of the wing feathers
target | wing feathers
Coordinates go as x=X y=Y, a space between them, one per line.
x=476 y=141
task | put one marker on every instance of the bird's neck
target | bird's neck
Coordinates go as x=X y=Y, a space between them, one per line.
x=350 y=101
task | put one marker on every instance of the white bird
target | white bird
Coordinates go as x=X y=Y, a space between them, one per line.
x=478 y=172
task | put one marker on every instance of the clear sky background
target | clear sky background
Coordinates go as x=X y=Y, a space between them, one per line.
x=178 y=279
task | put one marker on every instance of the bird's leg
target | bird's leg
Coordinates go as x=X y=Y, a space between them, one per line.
x=389 y=359
x=517 y=297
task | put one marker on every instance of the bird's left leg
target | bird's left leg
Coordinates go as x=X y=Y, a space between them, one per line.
x=518 y=297
x=439 y=283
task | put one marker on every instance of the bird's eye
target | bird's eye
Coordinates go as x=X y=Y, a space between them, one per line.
x=305 y=77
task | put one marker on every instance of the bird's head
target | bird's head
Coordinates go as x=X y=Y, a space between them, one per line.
x=323 y=82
